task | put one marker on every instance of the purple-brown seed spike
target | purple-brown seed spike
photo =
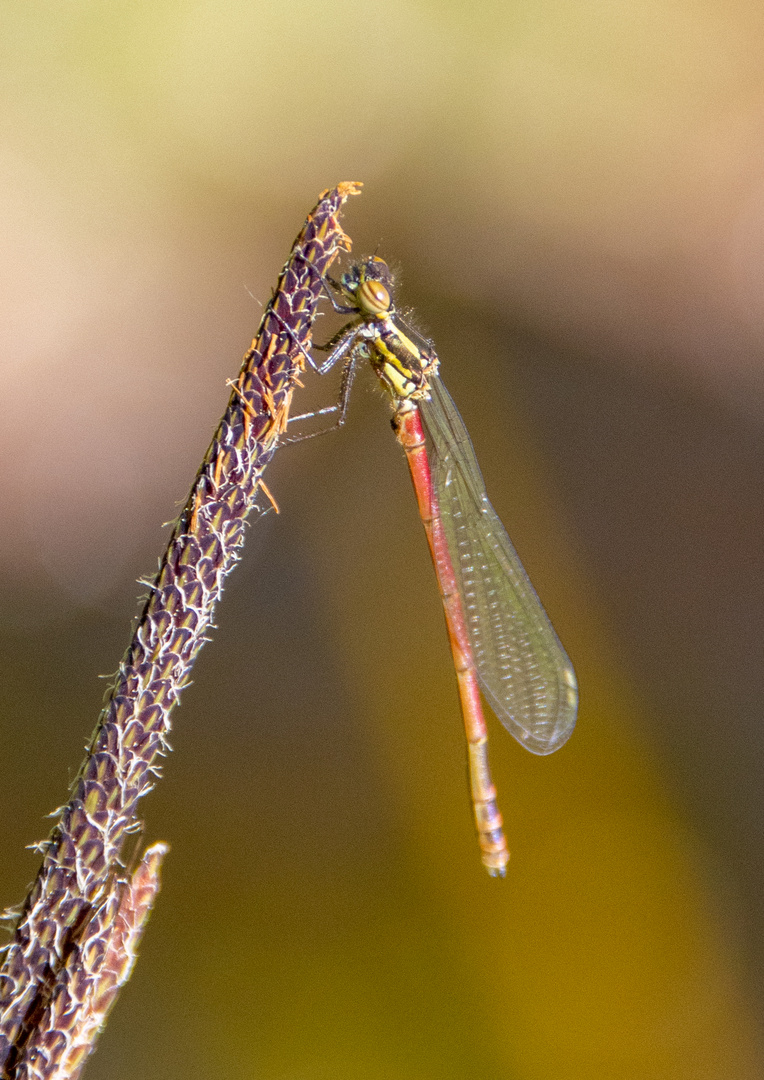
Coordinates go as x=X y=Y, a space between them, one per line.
x=62 y=917
x=94 y=974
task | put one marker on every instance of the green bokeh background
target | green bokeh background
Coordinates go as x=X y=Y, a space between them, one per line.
x=574 y=193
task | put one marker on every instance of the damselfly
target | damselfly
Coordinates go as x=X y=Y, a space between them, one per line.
x=501 y=639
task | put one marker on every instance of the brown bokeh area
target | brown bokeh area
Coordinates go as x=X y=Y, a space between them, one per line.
x=574 y=195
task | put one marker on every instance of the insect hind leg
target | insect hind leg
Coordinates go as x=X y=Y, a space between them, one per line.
x=340 y=408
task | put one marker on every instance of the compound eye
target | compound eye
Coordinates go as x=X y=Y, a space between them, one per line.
x=373 y=298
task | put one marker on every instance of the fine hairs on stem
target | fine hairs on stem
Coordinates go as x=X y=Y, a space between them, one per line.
x=74 y=939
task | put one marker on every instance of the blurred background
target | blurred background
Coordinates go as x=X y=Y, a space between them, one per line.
x=574 y=195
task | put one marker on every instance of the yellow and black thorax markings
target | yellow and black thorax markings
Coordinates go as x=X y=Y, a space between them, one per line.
x=402 y=368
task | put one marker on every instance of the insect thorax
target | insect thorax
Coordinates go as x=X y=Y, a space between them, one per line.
x=398 y=363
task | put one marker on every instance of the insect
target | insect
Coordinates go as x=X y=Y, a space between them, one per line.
x=501 y=638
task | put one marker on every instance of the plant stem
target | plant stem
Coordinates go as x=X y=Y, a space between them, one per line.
x=53 y=972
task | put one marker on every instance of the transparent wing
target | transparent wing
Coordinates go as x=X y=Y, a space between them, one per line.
x=522 y=668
